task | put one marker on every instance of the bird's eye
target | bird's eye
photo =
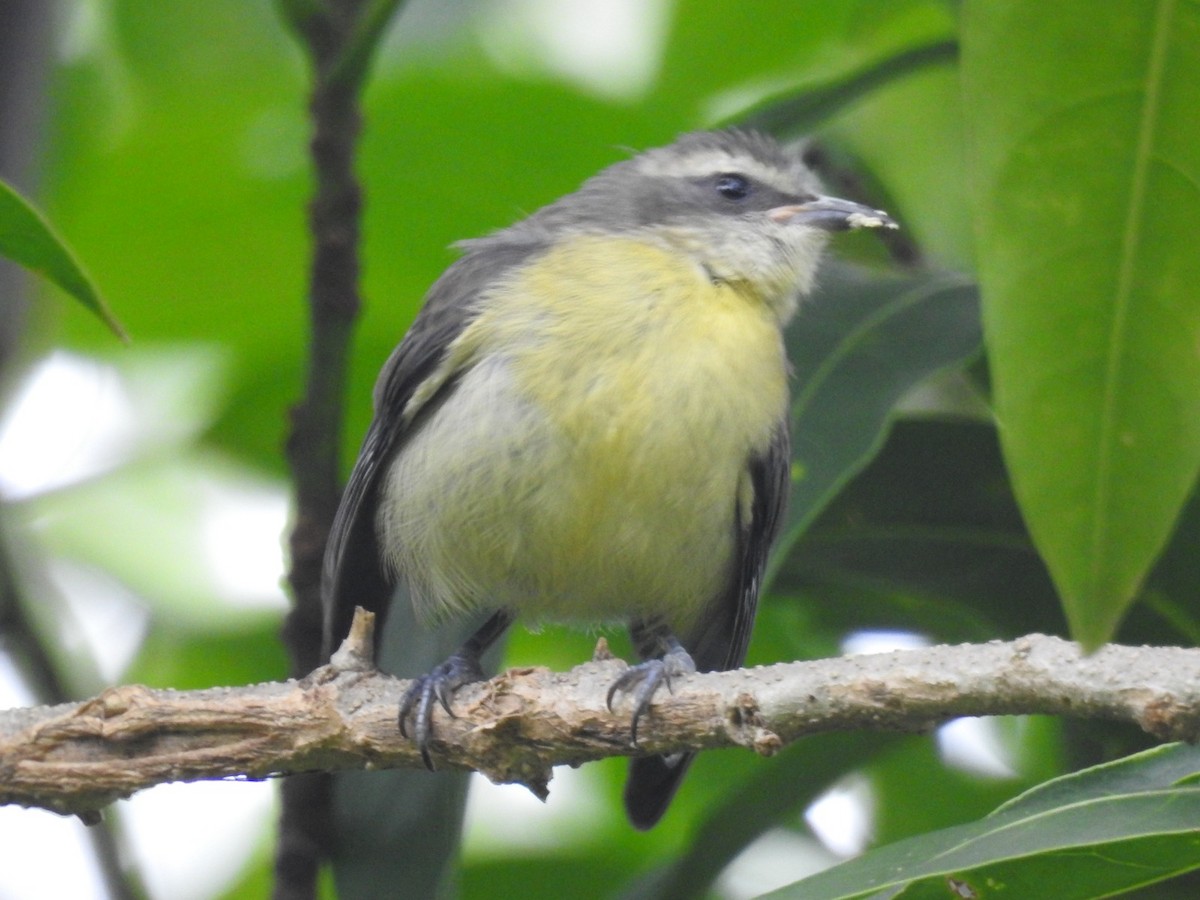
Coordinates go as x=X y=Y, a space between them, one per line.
x=732 y=186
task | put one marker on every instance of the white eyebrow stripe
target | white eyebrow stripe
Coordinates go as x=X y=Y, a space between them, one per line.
x=711 y=162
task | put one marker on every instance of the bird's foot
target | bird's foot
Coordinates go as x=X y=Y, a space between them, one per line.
x=644 y=680
x=437 y=686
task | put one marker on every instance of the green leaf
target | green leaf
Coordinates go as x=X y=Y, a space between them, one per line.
x=814 y=42
x=925 y=538
x=929 y=538
x=857 y=347
x=27 y=238
x=798 y=112
x=1086 y=153
x=917 y=789
x=1094 y=833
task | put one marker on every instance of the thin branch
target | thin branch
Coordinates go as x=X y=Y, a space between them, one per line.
x=312 y=446
x=340 y=37
x=77 y=758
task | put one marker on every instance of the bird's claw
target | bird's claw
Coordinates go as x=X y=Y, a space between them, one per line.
x=644 y=680
x=437 y=686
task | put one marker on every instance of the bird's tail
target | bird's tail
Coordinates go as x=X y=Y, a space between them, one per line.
x=652 y=783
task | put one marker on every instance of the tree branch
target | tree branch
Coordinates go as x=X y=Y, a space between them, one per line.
x=77 y=758
x=340 y=37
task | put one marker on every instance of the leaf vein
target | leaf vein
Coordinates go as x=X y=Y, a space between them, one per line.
x=1123 y=298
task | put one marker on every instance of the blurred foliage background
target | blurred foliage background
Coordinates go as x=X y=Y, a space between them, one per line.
x=143 y=487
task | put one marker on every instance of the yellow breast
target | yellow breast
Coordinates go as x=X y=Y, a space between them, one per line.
x=628 y=336
x=591 y=462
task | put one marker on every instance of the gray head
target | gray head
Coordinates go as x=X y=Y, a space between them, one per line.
x=744 y=207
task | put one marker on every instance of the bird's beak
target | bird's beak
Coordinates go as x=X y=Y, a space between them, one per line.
x=832 y=214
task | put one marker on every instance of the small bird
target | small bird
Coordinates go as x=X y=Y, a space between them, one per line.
x=588 y=422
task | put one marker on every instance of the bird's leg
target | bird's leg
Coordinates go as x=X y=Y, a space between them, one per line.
x=668 y=658
x=462 y=667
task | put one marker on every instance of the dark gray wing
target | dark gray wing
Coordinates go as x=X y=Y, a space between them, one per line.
x=719 y=642
x=354 y=574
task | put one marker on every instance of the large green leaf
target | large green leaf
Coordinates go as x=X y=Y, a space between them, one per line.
x=1090 y=834
x=798 y=112
x=926 y=538
x=715 y=46
x=27 y=238
x=1086 y=154
x=856 y=348
x=929 y=538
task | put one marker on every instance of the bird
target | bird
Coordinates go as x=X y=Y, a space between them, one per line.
x=587 y=422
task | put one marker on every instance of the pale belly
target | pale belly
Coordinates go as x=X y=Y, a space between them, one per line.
x=491 y=503
x=595 y=467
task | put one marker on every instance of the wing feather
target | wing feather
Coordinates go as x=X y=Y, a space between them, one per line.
x=354 y=574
